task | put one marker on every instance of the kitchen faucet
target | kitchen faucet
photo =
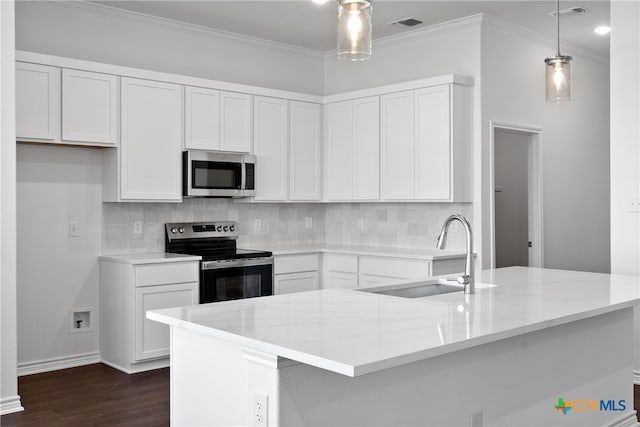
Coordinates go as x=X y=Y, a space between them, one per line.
x=467 y=279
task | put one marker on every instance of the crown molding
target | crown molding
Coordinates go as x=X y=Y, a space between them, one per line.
x=506 y=27
x=447 y=27
x=228 y=35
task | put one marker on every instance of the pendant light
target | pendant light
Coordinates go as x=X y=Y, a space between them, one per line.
x=354 y=29
x=558 y=70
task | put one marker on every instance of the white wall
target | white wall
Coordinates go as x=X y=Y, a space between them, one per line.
x=94 y=33
x=56 y=272
x=575 y=143
x=625 y=146
x=625 y=134
x=511 y=202
x=9 y=399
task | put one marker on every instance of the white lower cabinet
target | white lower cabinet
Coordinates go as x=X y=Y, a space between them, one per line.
x=152 y=338
x=296 y=282
x=128 y=340
x=296 y=273
x=340 y=271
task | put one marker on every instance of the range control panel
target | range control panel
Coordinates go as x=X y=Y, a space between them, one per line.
x=197 y=230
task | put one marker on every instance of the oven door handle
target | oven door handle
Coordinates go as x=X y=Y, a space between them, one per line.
x=231 y=263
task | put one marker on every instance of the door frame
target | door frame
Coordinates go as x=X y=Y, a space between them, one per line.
x=535 y=190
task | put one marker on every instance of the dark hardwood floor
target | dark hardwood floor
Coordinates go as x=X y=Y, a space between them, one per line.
x=94 y=395
x=97 y=395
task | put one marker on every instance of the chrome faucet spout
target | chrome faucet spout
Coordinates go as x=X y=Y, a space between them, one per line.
x=468 y=279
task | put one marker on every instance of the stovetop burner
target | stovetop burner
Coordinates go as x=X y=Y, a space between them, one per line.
x=213 y=241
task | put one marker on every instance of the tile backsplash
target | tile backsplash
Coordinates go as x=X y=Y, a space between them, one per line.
x=407 y=225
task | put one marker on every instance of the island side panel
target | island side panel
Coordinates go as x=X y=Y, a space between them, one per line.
x=515 y=381
x=209 y=381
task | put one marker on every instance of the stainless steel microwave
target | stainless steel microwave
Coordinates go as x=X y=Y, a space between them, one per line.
x=213 y=174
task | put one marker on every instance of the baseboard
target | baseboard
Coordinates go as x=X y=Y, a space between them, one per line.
x=140 y=367
x=9 y=405
x=57 y=363
x=628 y=419
x=636 y=377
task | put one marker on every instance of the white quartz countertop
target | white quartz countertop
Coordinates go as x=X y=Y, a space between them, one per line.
x=353 y=333
x=150 y=258
x=429 y=254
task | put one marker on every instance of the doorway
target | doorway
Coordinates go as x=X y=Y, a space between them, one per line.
x=516 y=196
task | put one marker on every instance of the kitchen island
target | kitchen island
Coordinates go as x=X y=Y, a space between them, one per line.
x=343 y=357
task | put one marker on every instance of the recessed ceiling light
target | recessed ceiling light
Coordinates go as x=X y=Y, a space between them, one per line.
x=320 y=1
x=602 y=30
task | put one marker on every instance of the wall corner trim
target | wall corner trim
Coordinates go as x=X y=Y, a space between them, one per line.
x=10 y=405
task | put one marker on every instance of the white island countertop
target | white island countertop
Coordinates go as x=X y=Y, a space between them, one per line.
x=354 y=333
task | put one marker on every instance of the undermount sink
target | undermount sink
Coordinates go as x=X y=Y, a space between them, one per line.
x=418 y=289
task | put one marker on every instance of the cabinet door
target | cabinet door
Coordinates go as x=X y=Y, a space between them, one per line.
x=366 y=141
x=235 y=122
x=397 y=127
x=37 y=102
x=339 y=280
x=151 y=140
x=152 y=338
x=296 y=282
x=90 y=105
x=202 y=118
x=433 y=143
x=271 y=147
x=340 y=150
x=305 y=161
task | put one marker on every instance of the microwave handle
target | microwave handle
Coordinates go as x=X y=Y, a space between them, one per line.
x=243 y=176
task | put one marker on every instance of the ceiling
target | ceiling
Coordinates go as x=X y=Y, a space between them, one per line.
x=305 y=24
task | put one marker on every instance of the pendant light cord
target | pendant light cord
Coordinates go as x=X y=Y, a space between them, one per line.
x=558 y=23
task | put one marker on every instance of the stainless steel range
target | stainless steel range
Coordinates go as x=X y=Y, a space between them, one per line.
x=226 y=272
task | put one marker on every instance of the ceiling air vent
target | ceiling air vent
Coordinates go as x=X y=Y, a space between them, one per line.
x=407 y=22
x=578 y=10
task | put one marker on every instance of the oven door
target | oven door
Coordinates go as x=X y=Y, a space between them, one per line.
x=235 y=279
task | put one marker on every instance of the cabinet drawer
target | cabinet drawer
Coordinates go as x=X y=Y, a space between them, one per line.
x=343 y=263
x=165 y=273
x=394 y=267
x=295 y=263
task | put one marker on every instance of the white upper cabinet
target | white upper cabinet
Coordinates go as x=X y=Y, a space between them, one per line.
x=150 y=160
x=433 y=144
x=90 y=107
x=398 y=144
x=340 y=150
x=427 y=146
x=305 y=150
x=202 y=118
x=353 y=149
x=271 y=147
x=217 y=120
x=37 y=102
x=235 y=122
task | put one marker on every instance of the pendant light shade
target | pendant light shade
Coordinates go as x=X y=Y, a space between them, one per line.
x=558 y=78
x=354 y=29
x=558 y=70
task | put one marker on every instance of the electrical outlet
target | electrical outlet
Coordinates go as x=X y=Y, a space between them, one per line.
x=453 y=226
x=257 y=224
x=137 y=226
x=73 y=229
x=308 y=222
x=360 y=224
x=634 y=206
x=476 y=419
x=260 y=409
